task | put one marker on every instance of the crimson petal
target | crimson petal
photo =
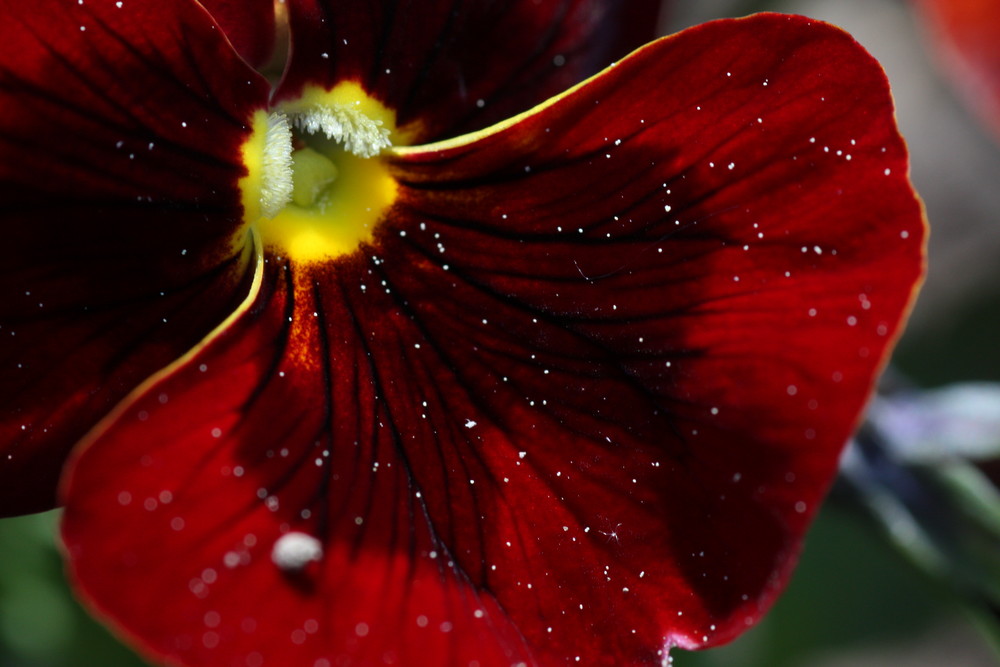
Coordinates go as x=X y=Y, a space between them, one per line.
x=249 y=24
x=967 y=35
x=449 y=68
x=119 y=160
x=579 y=398
x=256 y=438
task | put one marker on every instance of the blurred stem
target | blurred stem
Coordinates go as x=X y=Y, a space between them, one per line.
x=943 y=515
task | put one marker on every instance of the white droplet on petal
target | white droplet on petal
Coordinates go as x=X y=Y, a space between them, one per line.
x=293 y=551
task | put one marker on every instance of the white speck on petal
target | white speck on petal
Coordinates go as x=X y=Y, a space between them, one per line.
x=293 y=551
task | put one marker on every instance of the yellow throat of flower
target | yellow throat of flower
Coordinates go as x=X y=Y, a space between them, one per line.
x=316 y=187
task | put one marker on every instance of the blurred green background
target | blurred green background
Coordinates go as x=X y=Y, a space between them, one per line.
x=854 y=600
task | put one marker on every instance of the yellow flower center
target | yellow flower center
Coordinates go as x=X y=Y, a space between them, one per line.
x=316 y=187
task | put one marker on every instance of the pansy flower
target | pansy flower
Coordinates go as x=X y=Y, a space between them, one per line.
x=424 y=359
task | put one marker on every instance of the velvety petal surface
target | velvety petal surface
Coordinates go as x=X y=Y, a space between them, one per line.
x=120 y=134
x=449 y=68
x=966 y=34
x=249 y=24
x=578 y=399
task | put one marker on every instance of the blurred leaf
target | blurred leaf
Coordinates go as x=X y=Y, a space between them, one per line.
x=41 y=624
x=909 y=470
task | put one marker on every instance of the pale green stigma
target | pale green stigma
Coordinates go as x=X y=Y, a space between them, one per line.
x=313 y=173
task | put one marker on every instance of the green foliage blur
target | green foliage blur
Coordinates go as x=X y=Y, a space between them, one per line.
x=41 y=624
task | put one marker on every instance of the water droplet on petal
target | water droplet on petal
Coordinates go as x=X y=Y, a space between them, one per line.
x=293 y=551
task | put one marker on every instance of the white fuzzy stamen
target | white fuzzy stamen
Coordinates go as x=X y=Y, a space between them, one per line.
x=357 y=132
x=293 y=551
x=276 y=189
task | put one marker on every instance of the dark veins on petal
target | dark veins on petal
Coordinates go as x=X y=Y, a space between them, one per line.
x=119 y=158
x=452 y=68
x=249 y=24
x=579 y=397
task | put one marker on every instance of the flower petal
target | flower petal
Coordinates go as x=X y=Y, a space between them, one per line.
x=249 y=24
x=447 y=69
x=252 y=452
x=580 y=397
x=119 y=160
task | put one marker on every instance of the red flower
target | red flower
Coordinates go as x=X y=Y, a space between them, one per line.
x=966 y=34
x=567 y=388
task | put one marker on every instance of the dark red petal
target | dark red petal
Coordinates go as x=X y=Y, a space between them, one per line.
x=120 y=136
x=967 y=36
x=450 y=68
x=260 y=435
x=581 y=397
x=249 y=24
